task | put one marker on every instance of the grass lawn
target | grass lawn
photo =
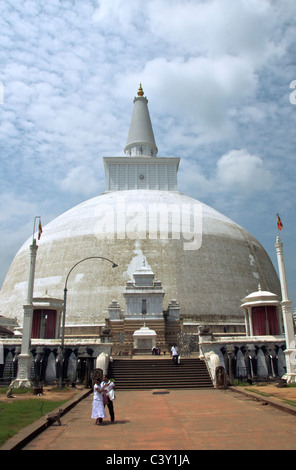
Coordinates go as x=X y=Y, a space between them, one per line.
x=15 y=415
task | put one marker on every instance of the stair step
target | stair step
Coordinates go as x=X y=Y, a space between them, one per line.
x=171 y=386
x=143 y=374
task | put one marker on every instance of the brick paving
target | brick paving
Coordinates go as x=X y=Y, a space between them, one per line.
x=207 y=419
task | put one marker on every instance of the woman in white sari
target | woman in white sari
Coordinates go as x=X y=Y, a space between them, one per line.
x=98 y=410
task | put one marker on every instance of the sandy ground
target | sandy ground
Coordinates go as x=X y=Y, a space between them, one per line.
x=54 y=394
x=49 y=393
x=284 y=393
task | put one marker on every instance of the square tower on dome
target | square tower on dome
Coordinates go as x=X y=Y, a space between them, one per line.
x=141 y=168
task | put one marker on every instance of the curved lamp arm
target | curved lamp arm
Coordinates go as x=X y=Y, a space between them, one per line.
x=114 y=265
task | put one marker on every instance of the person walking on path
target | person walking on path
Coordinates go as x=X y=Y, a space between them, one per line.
x=175 y=354
x=98 y=410
x=109 y=395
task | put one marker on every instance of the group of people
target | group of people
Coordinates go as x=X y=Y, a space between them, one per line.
x=156 y=351
x=174 y=352
x=104 y=394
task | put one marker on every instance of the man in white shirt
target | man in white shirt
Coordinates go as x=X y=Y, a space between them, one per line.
x=109 y=396
x=175 y=354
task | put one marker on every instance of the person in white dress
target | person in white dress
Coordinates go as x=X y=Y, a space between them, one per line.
x=98 y=410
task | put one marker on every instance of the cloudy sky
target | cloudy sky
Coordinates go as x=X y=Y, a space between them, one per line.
x=218 y=75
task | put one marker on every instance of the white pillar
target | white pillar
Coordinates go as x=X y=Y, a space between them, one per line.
x=290 y=352
x=24 y=359
x=250 y=320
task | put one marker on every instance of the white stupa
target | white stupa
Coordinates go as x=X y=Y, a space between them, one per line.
x=202 y=258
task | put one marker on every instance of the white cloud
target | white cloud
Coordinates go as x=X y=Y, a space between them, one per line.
x=13 y=208
x=239 y=171
x=213 y=27
x=17 y=214
x=200 y=88
x=81 y=180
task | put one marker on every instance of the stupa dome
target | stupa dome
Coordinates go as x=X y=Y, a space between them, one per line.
x=208 y=282
x=203 y=259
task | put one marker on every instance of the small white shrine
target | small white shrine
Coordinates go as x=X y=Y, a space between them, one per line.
x=144 y=296
x=144 y=338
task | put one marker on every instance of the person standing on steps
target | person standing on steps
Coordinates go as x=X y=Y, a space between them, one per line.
x=175 y=354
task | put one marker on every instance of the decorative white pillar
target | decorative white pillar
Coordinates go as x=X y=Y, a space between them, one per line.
x=290 y=352
x=248 y=322
x=24 y=359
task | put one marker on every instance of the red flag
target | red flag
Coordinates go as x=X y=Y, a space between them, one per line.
x=39 y=229
x=279 y=222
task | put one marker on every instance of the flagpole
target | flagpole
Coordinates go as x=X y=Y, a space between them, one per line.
x=34 y=227
x=37 y=217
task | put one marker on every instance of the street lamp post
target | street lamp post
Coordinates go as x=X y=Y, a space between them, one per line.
x=114 y=265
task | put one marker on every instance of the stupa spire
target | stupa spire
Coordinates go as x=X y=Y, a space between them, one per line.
x=140 y=90
x=140 y=140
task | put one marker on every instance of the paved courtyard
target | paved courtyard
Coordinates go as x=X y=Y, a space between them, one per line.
x=206 y=419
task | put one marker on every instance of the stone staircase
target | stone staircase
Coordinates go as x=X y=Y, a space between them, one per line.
x=159 y=373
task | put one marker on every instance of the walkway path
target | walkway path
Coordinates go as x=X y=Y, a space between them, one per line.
x=207 y=419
